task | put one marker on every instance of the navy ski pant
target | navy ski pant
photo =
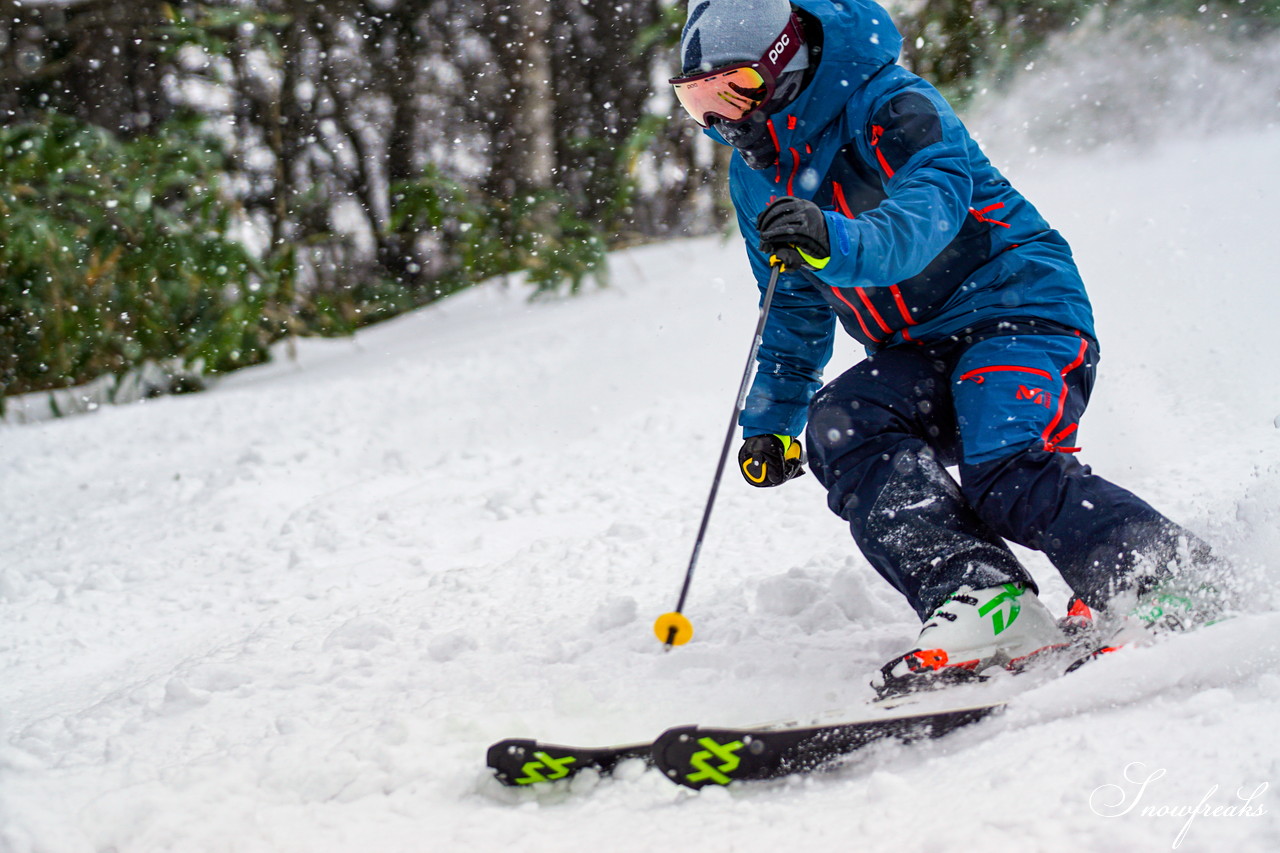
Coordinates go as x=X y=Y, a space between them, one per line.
x=1005 y=410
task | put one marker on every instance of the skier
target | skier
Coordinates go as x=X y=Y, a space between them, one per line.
x=856 y=176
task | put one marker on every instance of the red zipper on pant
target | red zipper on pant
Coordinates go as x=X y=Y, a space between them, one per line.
x=1053 y=441
x=976 y=373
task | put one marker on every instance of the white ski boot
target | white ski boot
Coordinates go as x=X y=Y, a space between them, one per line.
x=973 y=630
x=1175 y=605
x=1179 y=604
x=1190 y=591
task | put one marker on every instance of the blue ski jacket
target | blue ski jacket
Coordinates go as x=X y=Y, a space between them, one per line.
x=928 y=240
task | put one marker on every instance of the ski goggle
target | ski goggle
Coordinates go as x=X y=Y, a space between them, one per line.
x=733 y=92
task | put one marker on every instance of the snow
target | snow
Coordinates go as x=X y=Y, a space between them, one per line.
x=291 y=613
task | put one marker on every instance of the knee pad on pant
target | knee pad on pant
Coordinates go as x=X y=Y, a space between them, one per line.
x=845 y=429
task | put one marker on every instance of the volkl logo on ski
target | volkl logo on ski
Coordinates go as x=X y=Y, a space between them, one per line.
x=724 y=752
x=559 y=768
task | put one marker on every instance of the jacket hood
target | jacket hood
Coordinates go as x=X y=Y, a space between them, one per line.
x=858 y=39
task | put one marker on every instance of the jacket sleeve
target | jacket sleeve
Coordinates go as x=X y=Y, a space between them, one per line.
x=794 y=348
x=919 y=148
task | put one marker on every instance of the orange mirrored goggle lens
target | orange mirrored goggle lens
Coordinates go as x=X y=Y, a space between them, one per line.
x=731 y=94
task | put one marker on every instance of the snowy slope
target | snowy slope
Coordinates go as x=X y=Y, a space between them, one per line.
x=290 y=614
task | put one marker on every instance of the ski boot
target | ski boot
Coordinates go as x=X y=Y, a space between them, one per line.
x=1179 y=604
x=1003 y=626
x=1174 y=605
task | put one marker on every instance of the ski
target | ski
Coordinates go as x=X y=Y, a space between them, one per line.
x=518 y=762
x=697 y=756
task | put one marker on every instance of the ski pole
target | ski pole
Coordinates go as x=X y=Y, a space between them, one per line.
x=674 y=628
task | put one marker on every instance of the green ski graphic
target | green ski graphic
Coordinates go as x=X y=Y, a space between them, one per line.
x=724 y=752
x=533 y=770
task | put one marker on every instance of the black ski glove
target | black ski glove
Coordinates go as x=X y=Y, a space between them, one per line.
x=790 y=226
x=771 y=460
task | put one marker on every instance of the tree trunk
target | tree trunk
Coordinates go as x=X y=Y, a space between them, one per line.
x=96 y=60
x=524 y=149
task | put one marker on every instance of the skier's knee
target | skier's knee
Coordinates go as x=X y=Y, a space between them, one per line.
x=842 y=431
x=840 y=422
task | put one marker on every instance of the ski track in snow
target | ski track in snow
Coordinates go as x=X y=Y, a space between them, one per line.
x=291 y=613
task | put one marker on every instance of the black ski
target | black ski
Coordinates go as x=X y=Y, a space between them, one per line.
x=527 y=762
x=695 y=756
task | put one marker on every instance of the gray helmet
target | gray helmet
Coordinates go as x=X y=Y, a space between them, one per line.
x=721 y=32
